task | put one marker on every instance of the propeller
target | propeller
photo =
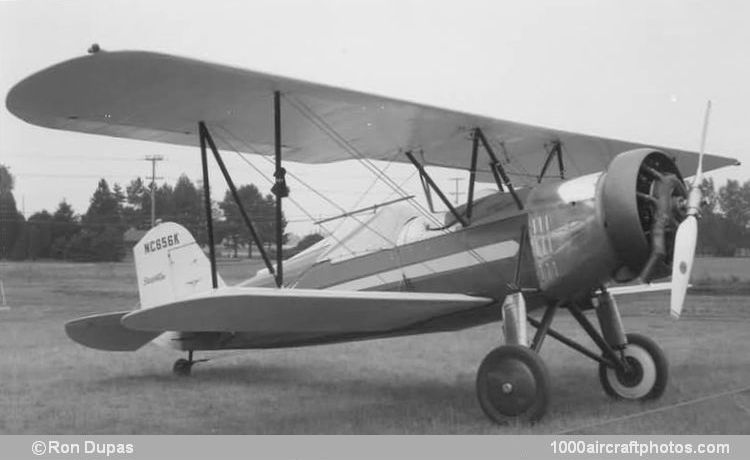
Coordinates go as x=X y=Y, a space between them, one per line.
x=687 y=234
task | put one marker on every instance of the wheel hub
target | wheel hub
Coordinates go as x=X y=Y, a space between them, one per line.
x=513 y=387
x=633 y=375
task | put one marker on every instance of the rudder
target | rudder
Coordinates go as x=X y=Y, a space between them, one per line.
x=170 y=266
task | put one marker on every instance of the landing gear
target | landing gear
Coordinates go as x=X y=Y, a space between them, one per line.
x=182 y=366
x=647 y=373
x=512 y=383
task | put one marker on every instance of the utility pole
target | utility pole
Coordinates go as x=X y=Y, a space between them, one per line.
x=153 y=159
x=456 y=193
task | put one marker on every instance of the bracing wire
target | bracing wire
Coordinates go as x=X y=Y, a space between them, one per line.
x=370 y=187
x=319 y=122
x=298 y=179
x=332 y=234
x=512 y=161
x=567 y=156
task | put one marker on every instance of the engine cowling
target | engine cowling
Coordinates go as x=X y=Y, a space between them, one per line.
x=589 y=230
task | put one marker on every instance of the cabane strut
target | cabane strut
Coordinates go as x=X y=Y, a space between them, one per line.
x=555 y=150
x=498 y=172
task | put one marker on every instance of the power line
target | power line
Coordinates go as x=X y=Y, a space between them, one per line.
x=348 y=193
x=176 y=217
x=80 y=176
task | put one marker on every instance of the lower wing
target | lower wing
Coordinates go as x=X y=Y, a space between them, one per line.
x=638 y=288
x=284 y=311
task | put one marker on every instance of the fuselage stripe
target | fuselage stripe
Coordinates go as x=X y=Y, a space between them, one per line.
x=488 y=253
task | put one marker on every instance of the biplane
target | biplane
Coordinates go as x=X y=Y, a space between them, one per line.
x=573 y=220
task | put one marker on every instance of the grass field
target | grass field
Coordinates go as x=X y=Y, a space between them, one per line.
x=411 y=385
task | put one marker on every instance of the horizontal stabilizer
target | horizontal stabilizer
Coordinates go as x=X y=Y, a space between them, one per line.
x=106 y=332
x=271 y=310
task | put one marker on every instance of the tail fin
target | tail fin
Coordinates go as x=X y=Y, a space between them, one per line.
x=170 y=266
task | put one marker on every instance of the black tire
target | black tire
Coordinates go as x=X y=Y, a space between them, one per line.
x=513 y=385
x=182 y=367
x=650 y=375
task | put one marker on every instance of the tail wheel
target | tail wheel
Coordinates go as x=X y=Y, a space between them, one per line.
x=648 y=374
x=512 y=384
x=182 y=367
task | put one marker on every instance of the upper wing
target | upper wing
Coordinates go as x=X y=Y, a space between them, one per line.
x=285 y=311
x=162 y=98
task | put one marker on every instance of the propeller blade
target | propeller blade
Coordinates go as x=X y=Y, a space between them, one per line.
x=684 y=253
x=704 y=134
x=687 y=233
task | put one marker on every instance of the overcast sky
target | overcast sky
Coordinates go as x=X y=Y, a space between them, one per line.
x=634 y=70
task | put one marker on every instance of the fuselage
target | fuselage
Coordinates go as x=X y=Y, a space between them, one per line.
x=571 y=238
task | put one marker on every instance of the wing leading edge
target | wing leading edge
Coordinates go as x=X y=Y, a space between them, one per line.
x=161 y=98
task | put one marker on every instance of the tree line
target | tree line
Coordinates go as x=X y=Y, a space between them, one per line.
x=97 y=235
x=724 y=227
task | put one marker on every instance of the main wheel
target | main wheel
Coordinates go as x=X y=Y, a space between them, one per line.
x=512 y=384
x=647 y=378
x=182 y=367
